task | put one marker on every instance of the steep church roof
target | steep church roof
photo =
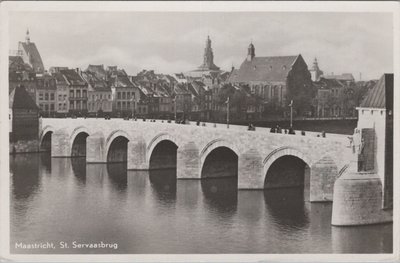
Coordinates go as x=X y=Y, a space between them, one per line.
x=265 y=69
x=31 y=54
x=344 y=76
x=377 y=96
x=19 y=98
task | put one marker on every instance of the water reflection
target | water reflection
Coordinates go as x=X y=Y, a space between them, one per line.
x=287 y=208
x=45 y=161
x=362 y=239
x=79 y=169
x=117 y=174
x=163 y=182
x=220 y=194
x=25 y=174
x=59 y=199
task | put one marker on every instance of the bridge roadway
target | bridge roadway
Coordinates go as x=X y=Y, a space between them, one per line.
x=156 y=145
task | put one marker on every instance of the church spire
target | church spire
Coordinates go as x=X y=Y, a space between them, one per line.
x=315 y=64
x=251 y=51
x=208 y=59
x=27 y=38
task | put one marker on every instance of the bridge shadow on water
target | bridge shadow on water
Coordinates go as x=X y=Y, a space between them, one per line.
x=79 y=169
x=221 y=194
x=163 y=183
x=287 y=207
x=117 y=175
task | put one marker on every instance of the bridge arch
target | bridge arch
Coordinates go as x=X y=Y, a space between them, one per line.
x=162 y=151
x=278 y=160
x=45 y=138
x=116 y=149
x=77 y=141
x=219 y=158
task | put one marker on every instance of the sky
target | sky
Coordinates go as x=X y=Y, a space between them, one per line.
x=172 y=42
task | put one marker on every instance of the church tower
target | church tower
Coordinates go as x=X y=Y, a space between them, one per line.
x=30 y=54
x=316 y=73
x=208 y=59
x=251 y=52
x=27 y=38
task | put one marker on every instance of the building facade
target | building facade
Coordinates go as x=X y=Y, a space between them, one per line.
x=46 y=95
x=78 y=92
x=62 y=94
x=125 y=94
x=99 y=95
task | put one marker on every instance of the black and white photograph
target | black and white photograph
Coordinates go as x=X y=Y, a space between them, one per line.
x=205 y=131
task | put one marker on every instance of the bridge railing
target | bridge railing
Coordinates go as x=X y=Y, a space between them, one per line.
x=245 y=128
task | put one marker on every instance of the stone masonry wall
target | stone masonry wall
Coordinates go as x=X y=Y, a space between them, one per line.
x=195 y=143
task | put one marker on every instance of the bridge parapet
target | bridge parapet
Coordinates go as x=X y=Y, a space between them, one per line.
x=256 y=150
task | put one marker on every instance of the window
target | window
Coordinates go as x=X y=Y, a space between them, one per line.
x=51 y=96
x=84 y=94
x=46 y=96
x=123 y=95
x=52 y=106
x=78 y=93
x=119 y=95
x=71 y=93
x=40 y=96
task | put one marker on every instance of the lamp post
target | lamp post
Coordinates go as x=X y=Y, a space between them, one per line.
x=227 y=113
x=133 y=100
x=291 y=113
x=175 y=108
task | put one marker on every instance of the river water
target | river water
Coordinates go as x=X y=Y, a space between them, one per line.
x=66 y=203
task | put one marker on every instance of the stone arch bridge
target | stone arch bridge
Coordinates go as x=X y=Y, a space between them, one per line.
x=195 y=149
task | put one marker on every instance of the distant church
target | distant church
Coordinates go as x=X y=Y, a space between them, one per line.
x=275 y=78
x=208 y=67
x=30 y=54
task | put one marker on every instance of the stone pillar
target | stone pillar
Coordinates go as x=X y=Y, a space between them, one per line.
x=358 y=198
x=95 y=148
x=137 y=155
x=322 y=178
x=188 y=162
x=60 y=144
x=250 y=171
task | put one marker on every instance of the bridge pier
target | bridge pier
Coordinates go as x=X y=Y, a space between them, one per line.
x=322 y=179
x=250 y=170
x=137 y=155
x=95 y=148
x=60 y=143
x=188 y=162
